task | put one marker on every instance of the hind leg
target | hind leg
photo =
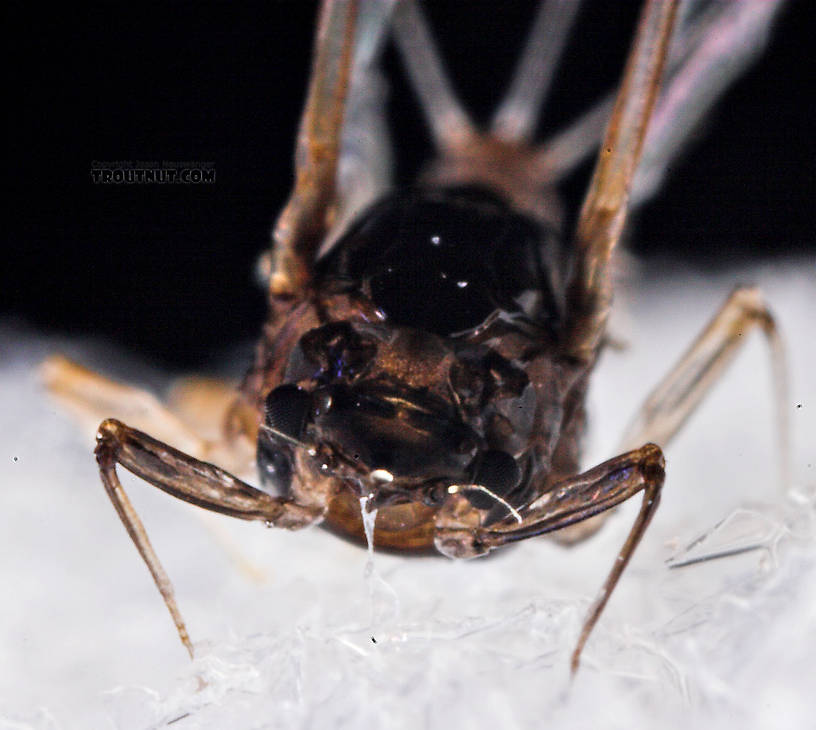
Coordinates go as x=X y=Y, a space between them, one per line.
x=677 y=396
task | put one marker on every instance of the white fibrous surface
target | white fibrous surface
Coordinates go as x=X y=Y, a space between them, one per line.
x=291 y=630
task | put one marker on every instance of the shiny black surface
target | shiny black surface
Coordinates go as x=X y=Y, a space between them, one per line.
x=444 y=261
x=274 y=459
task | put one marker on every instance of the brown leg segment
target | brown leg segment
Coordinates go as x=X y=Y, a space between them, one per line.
x=680 y=392
x=604 y=210
x=189 y=479
x=575 y=499
x=304 y=221
x=91 y=397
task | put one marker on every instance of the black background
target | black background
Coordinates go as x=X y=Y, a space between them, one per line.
x=167 y=270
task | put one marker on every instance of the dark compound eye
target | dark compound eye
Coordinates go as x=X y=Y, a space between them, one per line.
x=497 y=473
x=287 y=408
x=274 y=464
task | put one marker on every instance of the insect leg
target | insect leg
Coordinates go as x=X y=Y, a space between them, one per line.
x=365 y=163
x=447 y=119
x=718 y=47
x=202 y=417
x=711 y=47
x=304 y=221
x=517 y=115
x=202 y=403
x=603 y=213
x=572 y=500
x=92 y=397
x=563 y=152
x=195 y=418
x=189 y=479
x=678 y=394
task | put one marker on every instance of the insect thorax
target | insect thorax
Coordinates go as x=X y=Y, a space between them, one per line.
x=422 y=363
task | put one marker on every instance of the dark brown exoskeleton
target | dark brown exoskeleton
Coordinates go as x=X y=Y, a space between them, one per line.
x=428 y=351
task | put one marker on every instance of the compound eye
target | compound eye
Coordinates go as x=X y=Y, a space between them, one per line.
x=498 y=474
x=274 y=464
x=286 y=411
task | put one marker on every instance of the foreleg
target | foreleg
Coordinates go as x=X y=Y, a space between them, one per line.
x=189 y=479
x=574 y=499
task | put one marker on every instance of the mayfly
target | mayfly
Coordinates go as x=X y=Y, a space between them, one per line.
x=428 y=350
